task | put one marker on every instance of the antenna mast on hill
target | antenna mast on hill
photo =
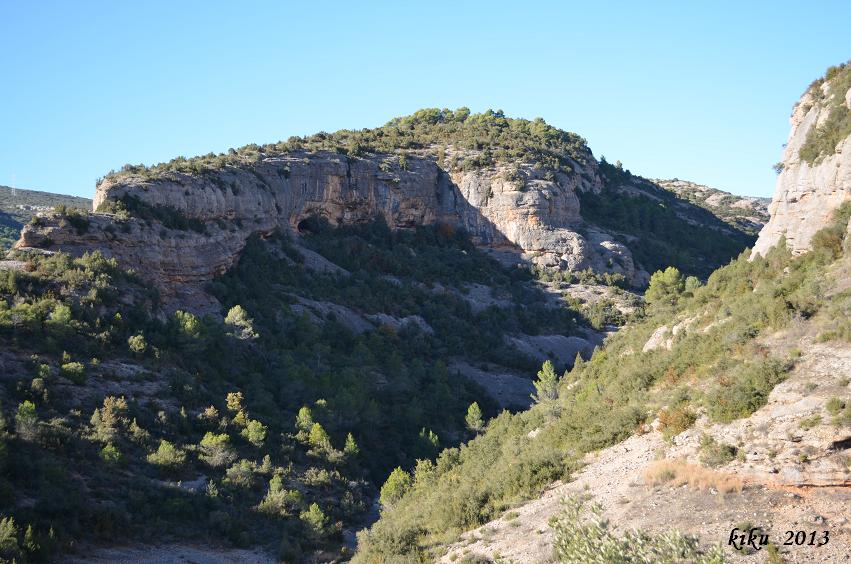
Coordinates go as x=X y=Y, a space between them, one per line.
x=13 y=186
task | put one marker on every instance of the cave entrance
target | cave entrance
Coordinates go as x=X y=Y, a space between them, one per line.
x=841 y=444
x=312 y=225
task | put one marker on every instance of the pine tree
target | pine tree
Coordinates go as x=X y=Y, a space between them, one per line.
x=474 y=418
x=397 y=484
x=254 y=432
x=546 y=386
x=304 y=419
x=318 y=438
x=315 y=521
x=351 y=449
x=243 y=326
x=26 y=421
x=665 y=286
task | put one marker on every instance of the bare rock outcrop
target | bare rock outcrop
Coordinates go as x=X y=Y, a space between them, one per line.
x=522 y=209
x=807 y=193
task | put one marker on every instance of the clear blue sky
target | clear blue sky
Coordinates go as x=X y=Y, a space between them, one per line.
x=699 y=91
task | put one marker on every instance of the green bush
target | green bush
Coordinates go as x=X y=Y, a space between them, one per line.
x=665 y=285
x=254 y=433
x=240 y=475
x=835 y=405
x=26 y=421
x=9 y=549
x=74 y=371
x=713 y=453
x=137 y=344
x=822 y=139
x=397 y=484
x=315 y=521
x=167 y=456
x=745 y=390
x=585 y=536
x=215 y=450
x=110 y=454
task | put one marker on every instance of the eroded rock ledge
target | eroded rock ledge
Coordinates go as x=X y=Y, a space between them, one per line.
x=529 y=212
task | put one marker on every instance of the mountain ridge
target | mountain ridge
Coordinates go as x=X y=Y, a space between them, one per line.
x=514 y=185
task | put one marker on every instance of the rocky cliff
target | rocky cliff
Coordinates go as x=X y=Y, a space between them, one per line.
x=184 y=229
x=812 y=183
x=514 y=185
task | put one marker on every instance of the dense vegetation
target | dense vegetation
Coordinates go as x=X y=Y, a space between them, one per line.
x=822 y=140
x=489 y=135
x=718 y=365
x=279 y=426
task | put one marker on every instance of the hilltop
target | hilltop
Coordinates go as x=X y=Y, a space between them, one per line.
x=747 y=214
x=525 y=191
x=17 y=206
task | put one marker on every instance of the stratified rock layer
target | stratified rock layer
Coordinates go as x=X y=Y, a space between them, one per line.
x=536 y=218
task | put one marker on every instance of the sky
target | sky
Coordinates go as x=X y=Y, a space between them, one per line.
x=698 y=91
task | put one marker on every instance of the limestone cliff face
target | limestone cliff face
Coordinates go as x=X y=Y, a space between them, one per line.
x=807 y=194
x=510 y=208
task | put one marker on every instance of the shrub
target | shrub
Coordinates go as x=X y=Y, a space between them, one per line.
x=188 y=326
x=240 y=475
x=254 y=433
x=808 y=423
x=26 y=421
x=746 y=390
x=137 y=344
x=584 y=536
x=835 y=405
x=110 y=454
x=396 y=485
x=676 y=473
x=106 y=420
x=243 y=326
x=235 y=402
x=318 y=438
x=9 y=548
x=674 y=421
x=665 y=286
x=713 y=453
x=280 y=501
x=474 y=418
x=75 y=372
x=304 y=419
x=216 y=450
x=315 y=522
x=822 y=139
x=167 y=456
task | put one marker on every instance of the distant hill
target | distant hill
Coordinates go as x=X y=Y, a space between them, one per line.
x=17 y=206
x=745 y=213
